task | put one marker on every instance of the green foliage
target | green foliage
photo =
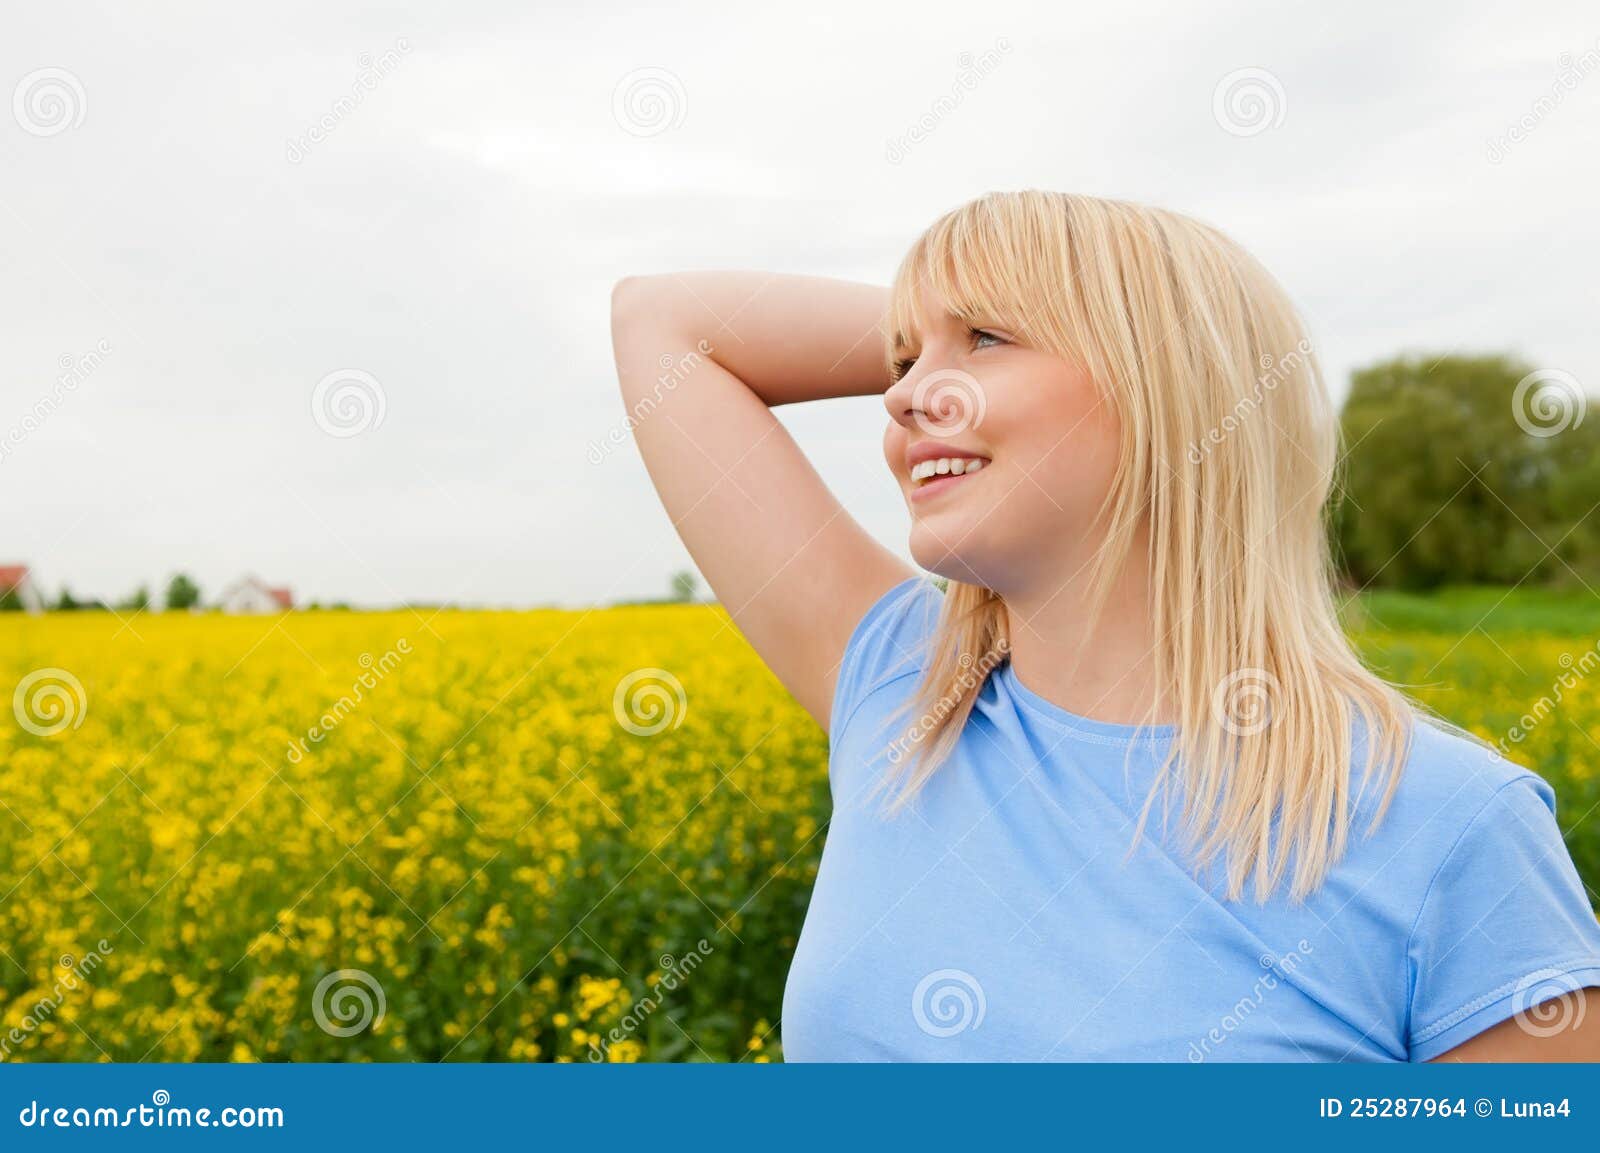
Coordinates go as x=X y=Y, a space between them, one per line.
x=182 y=593
x=1443 y=485
x=684 y=584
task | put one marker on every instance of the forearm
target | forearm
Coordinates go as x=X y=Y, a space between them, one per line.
x=788 y=338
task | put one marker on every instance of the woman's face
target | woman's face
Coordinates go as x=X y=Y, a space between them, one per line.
x=1004 y=454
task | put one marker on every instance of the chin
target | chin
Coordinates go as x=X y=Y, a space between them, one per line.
x=929 y=548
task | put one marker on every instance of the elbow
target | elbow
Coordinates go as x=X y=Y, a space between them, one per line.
x=631 y=299
x=639 y=320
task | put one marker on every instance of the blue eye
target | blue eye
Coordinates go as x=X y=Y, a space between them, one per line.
x=980 y=335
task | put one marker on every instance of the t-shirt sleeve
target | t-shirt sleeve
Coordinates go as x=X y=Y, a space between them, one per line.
x=1505 y=926
x=889 y=642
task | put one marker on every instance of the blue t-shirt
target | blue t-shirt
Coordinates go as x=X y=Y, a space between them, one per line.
x=1001 y=917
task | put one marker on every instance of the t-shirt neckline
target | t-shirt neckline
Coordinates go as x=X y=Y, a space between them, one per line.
x=1110 y=732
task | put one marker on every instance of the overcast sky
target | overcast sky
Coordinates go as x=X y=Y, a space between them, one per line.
x=208 y=212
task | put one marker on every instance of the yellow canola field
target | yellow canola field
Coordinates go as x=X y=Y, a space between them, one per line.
x=469 y=835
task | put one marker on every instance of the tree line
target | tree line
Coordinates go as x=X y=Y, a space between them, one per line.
x=1467 y=470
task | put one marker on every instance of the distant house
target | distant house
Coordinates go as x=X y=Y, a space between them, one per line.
x=17 y=588
x=251 y=594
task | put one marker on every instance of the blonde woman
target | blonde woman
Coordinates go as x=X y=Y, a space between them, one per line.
x=1120 y=790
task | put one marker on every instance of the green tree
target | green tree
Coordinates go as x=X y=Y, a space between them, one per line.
x=66 y=602
x=182 y=593
x=139 y=600
x=1453 y=476
x=684 y=585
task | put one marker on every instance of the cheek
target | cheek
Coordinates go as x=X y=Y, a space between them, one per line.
x=1076 y=471
x=1063 y=446
x=894 y=450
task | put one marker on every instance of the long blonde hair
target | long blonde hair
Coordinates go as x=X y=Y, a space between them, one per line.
x=1229 y=446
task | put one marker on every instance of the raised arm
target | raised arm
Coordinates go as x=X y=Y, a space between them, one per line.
x=701 y=358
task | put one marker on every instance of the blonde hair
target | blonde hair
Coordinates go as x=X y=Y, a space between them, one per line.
x=1228 y=449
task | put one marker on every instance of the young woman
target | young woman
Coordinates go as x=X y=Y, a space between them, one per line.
x=1121 y=789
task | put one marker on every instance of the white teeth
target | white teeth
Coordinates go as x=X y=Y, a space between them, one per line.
x=945 y=466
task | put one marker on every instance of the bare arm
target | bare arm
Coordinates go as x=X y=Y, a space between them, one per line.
x=1511 y=1040
x=701 y=358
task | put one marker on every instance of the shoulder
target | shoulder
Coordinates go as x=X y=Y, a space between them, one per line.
x=1503 y=920
x=888 y=645
x=1450 y=782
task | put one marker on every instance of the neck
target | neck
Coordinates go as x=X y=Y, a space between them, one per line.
x=1107 y=672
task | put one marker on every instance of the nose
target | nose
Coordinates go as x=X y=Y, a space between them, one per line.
x=900 y=400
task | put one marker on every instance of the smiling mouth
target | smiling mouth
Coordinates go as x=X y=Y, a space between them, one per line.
x=932 y=471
